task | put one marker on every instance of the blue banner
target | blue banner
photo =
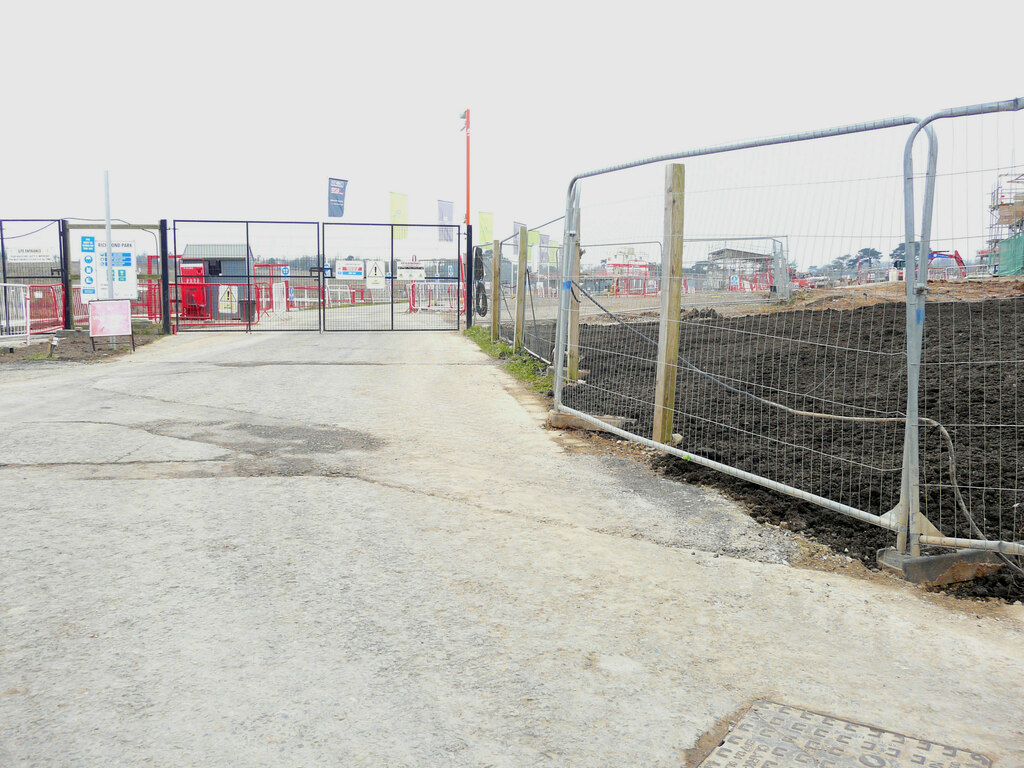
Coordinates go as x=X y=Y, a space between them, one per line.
x=445 y=217
x=336 y=197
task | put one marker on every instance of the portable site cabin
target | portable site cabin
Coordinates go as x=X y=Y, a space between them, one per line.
x=216 y=282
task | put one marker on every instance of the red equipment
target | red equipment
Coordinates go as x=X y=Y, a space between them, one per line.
x=955 y=256
x=193 y=290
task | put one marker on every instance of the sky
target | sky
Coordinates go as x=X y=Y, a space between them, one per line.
x=227 y=111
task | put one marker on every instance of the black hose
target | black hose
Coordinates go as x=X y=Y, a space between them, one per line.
x=480 y=298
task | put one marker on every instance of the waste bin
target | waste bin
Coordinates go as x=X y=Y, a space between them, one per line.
x=247 y=310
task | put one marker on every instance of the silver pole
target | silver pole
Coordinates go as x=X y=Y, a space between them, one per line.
x=110 y=264
x=562 y=325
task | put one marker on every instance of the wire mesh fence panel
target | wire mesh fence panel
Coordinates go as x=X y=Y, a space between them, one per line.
x=541 y=299
x=285 y=265
x=387 y=277
x=14 y=313
x=427 y=278
x=30 y=251
x=766 y=373
x=211 y=289
x=506 y=294
x=972 y=370
x=358 y=294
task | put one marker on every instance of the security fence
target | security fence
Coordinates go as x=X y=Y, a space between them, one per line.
x=526 y=289
x=719 y=347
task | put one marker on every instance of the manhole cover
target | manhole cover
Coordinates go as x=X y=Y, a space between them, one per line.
x=772 y=735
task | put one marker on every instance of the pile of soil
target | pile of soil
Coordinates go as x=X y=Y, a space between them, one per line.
x=847 y=362
x=75 y=346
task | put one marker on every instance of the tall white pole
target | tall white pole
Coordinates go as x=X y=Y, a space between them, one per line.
x=110 y=263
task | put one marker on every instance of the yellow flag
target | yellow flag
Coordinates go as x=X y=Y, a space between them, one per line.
x=486 y=227
x=399 y=214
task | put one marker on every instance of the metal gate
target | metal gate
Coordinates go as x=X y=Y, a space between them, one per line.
x=32 y=254
x=391 y=277
x=306 y=276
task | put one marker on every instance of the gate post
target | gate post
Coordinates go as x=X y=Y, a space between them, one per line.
x=165 y=285
x=517 y=339
x=65 y=274
x=3 y=254
x=469 y=278
x=671 y=281
x=495 y=289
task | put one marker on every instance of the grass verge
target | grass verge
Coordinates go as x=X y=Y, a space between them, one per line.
x=527 y=369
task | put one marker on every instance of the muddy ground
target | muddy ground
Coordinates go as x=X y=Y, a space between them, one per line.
x=76 y=346
x=736 y=371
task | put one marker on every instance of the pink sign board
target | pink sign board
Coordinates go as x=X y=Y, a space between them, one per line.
x=110 y=318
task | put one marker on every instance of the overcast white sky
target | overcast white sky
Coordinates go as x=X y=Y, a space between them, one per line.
x=230 y=110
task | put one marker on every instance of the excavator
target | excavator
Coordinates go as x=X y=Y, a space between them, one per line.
x=900 y=264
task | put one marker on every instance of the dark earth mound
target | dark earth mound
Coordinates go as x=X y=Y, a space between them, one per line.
x=736 y=372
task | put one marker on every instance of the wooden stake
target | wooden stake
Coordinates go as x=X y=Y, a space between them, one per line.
x=671 y=281
x=517 y=342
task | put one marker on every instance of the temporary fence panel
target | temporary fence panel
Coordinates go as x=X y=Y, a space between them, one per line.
x=808 y=396
x=759 y=393
x=14 y=313
x=540 y=296
x=972 y=361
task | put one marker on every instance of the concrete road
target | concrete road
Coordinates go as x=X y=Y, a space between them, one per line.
x=363 y=550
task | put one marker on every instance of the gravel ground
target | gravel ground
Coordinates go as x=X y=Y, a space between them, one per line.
x=363 y=549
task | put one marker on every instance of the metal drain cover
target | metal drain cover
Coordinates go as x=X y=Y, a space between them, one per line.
x=773 y=735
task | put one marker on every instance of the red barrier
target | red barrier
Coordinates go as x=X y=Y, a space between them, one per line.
x=45 y=308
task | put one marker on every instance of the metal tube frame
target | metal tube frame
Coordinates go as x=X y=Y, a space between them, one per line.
x=907 y=522
x=909 y=538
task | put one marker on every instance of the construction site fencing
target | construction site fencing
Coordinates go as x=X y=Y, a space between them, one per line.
x=245 y=275
x=14 y=313
x=534 y=254
x=713 y=343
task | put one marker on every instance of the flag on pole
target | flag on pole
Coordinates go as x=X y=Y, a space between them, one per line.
x=543 y=249
x=532 y=239
x=446 y=218
x=486 y=227
x=336 y=197
x=516 y=226
x=399 y=214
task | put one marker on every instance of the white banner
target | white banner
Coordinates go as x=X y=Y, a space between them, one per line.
x=348 y=270
x=27 y=255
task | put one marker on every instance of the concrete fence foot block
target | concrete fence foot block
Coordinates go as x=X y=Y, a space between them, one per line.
x=936 y=570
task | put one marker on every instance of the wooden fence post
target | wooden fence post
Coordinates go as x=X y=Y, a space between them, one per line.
x=517 y=341
x=671 y=281
x=495 y=290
